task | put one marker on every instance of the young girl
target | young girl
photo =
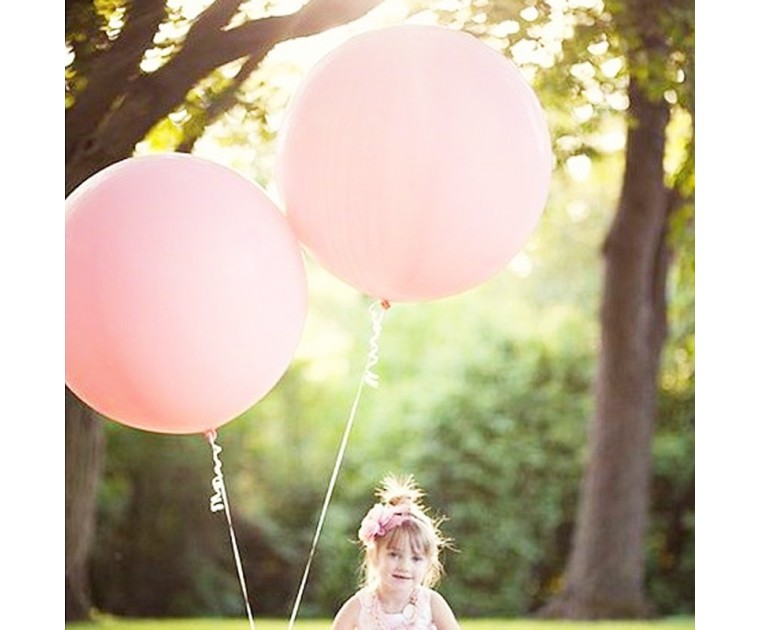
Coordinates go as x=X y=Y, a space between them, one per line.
x=401 y=547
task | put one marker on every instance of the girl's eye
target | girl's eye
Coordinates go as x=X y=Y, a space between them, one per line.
x=418 y=558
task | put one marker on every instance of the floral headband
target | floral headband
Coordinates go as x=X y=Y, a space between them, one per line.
x=381 y=519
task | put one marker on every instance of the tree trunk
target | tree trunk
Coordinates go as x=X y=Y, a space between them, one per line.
x=84 y=447
x=605 y=573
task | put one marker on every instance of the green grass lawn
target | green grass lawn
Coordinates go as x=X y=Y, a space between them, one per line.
x=324 y=624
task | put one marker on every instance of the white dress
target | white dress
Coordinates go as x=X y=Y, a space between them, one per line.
x=418 y=616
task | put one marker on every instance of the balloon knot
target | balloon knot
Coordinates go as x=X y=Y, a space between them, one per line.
x=385 y=304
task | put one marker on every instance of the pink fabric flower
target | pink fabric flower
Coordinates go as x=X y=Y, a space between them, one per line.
x=380 y=520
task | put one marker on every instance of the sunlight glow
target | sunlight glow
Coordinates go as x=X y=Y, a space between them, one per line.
x=521 y=265
x=529 y=14
x=586 y=4
x=115 y=23
x=583 y=113
x=155 y=58
x=188 y=9
x=584 y=71
x=448 y=5
x=678 y=134
x=577 y=210
x=545 y=57
x=678 y=377
x=568 y=144
x=168 y=32
x=598 y=48
x=180 y=116
x=423 y=17
x=618 y=101
x=611 y=142
x=578 y=167
x=231 y=69
x=593 y=94
x=524 y=51
x=255 y=9
x=505 y=28
x=611 y=67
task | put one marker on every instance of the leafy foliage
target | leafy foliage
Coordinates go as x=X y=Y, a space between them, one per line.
x=670 y=553
x=505 y=465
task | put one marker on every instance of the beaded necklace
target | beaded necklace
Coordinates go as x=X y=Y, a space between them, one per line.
x=409 y=613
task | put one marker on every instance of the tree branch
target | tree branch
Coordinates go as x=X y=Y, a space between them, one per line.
x=113 y=70
x=210 y=48
x=220 y=104
x=150 y=97
x=214 y=18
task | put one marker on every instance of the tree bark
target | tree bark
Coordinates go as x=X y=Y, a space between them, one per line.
x=84 y=447
x=605 y=573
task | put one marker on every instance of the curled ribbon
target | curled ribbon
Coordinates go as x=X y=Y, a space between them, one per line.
x=377 y=311
x=219 y=503
x=217 y=483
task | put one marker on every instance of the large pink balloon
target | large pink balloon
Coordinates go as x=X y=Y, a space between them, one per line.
x=185 y=293
x=414 y=162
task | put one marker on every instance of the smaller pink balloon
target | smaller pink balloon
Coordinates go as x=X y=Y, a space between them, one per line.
x=185 y=293
x=414 y=162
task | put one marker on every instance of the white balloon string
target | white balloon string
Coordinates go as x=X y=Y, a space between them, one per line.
x=377 y=311
x=219 y=502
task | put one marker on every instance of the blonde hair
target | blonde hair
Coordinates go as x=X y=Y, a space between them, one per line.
x=419 y=529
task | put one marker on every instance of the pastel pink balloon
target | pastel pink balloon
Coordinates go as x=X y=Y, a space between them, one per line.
x=414 y=162
x=185 y=293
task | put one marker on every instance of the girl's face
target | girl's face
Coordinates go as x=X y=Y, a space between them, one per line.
x=400 y=567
